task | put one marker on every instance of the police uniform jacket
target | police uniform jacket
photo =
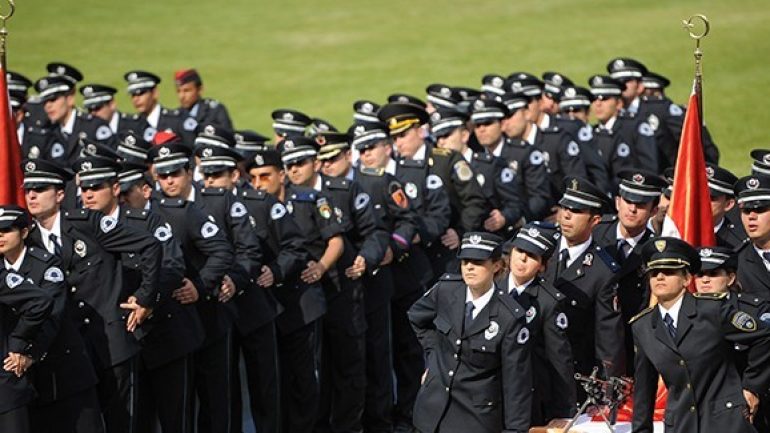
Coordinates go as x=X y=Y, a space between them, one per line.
x=553 y=371
x=500 y=187
x=62 y=365
x=528 y=162
x=85 y=126
x=641 y=137
x=91 y=245
x=731 y=235
x=562 y=155
x=283 y=251
x=208 y=257
x=24 y=308
x=209 y=111
x=137 y=124
x=478 y=378
x=616 y=151
x=583 y=133
x=704 y=386
x=593 y=310
x=752 y=275
x=40 y=142
x=172 y=330
x=179 y=123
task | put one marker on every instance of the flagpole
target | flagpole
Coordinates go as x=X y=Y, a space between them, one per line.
x=689 y=25
x=4 y=32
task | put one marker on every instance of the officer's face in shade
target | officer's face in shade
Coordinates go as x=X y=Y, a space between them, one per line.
x=515 y=124
x=455 y=140
x=269 y=179
x=524 y=265
x=376 y=156
x=302 y=172
x=605 y=107
x=102 y=197
x=144 y=102
x=716 y=280
x=188 y=94
x=176 y=184
x=43 y=202
x=136 y=196
x=757 y=225
x=12 y=239
x=58 y=108
x=720 y=205
x=668 y=284
x=336 y=166
x=576 y=224
x=222 y=179
x=633 y=216
x=488 y=133
x=408 y=142
x=478 y=274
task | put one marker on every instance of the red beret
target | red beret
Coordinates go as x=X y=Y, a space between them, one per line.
x=184 y=76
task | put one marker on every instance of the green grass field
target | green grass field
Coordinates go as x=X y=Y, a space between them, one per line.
x=320 y=56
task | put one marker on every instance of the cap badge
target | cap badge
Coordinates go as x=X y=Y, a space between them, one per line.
x=475 y=239
x=445 y=92
x=132 y=76
x=61 y=70
x=638 y=179
x=533 y=232
x=619 y=64
x=574 y=184
x=86 y=166
x=479 y=104
x=660 y=245
x=91 y=149
x=209 y=129
x=516 y=87
x=752 y=183
x=130 y=140
x=207 y=152
x=259 y=160
x=570 y=92
x=403 y=99
x=706 y=252
x=320 y=139
x=497 y=82
x=43 y=83
x=367 y=108
x=359 y=130
x=288 y=145
x=522 y=76
x=435 y=117
x=710 y=172
x=88 y=91
x=287 y=116
x=164 y=151
x=557 y=79
x=30 y=167
x=597 y=81
x=766 y=158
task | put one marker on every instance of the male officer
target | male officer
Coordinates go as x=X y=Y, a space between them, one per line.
x=448 y=169
x=721 y=182
x=498 y=182
x=143 y=89
x=90 y=244
x=69 y=125
x=289 y=123
x=552 y=366
x=754 y=256
x=688 y=340
x=254 y=334
x=304 y=303
x=343 y=371
x=209 y=260
x=477 y=348
x=412 y=270
x=622 y=141
x=99 y=100
x=585 y=273
x=206 y=111
x=636 y=202
x=64 y=378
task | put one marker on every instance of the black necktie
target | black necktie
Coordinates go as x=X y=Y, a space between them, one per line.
x=670 y=325
x=622 y=255
x=55 y=241
x=514 y=294
x=468 y=315
x=766 y=256
x=561 y=265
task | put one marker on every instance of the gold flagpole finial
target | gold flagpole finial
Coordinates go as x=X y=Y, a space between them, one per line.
x=4 y=17
x=698 y=27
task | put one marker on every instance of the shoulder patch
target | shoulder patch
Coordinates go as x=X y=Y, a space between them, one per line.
x=172 y=202
x=361 y=201
x=573 y=149
x=103 y=132
x=277 y=211
x=136 y=214
x=536 y=157
x=641 y=313
x=743 y=322
x=209 y=229
x=623 y=150
x=107 y=223
x=561 y=321
x=585 y=133
x=712 y=296
x=54 y=275
x=238 y=210
x=163 y=233
x=507 y=175
x=523 y=336
x=675 y=110
x=432 y=182
x=645 y=129
x=449 y=276
x=463 y=170
x=190 y=124
x=12 y=280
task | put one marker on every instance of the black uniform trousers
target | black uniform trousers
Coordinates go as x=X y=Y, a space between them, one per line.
x=408 y=360
x=299 y=384
x=343 y=363
x=165 y=394
x=15 y=420
x=378 y=416
x=79 y=412
x=212 y=378
x=115 y=391
x=260 y=356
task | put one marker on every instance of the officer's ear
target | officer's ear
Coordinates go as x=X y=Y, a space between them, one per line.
x=25 y=232
x=730 y=277
x=59 y=195
x=465 y=135
x=317 y=165
x=154 y=93
x=729 y=204
x=617 y=203
x=146 y=191
x=687 y=279
x=70 y=99
x=115 y=189
x=235 y=175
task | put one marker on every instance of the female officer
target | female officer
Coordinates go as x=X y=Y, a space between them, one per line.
x=478 y=376
x=688 y=339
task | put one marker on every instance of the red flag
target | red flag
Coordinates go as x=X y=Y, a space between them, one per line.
x=11 y=177
x=689 y=213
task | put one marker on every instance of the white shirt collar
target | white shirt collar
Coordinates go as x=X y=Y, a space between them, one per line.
x=480 y=302
x=351 y=173
x=55 y=229
x=154 y=117
x=574 y=251
x=498 y=150
x=420 y=154
x=633 y=107
x=610 y=123
x=759 y=253
x=719 y=225
x=17 y=264
x=116 y=213
x=114 y=122
x=20 y=133
x=390 y=167
x=191 y=195
x=520 y=288
x=631 y=241
x=532 y=136
x=319 y=183
x=468 y=154
x=545 y=122
x=70 y=125
x=673 y=311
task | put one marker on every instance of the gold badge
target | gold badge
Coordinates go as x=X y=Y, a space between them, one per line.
x=660 y=245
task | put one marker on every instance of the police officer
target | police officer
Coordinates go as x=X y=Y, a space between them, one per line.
x=143 y=89
x=585 y=273
x=554 y=84
x=477 y=347
x=254 y=334
x=622 y=235
x=99 y=101
x=448 y=168
x=208 y=258
x=412 y=269
x=498 y=182
x=68 y=124
x=687 y=339
x=727 y=232
x=552 y=367
x=303 y=303
x=753 y=273
x=342 y=371
x=64 y=378
x=90 y=244
x=205 y=111
x=289 y=123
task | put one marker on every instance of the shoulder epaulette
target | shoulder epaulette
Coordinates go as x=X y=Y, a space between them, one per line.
x=76 y=214
x=712 y=296
x=440 y=151
x=449 y=276
x=608 y=218
x=164 y=111
x=172 y=202
x=213 y=103
x=138 y=214
x=551 y=290
x=551 y=129
x=40 y=254
x=370 y=171
x=337 y=183
x=750 y=299
x=253 y=194
x=641 y=313
x=412 y=163
x=304 y=196
x=213 y=191
x=607 y=259
x=483 y=156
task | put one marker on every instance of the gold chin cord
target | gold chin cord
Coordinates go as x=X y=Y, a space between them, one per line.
x=5 y=14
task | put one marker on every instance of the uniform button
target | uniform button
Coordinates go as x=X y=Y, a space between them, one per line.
x=86 y=320
x=574 y=302
x=73 y=289
x=483 y=348
x=729 y=404
x=169 y=315
x=81 y=304
x=451 y=373
x=458 y=342
x=689 y=386
x=455 y=355
x=692 y=408
x=67 y=351
x=447 y=389
x=681 y=362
